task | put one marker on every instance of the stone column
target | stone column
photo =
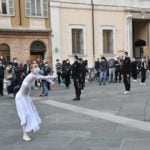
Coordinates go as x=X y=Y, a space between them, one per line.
x=149 y=33
x=56 y=43
x=129 y=35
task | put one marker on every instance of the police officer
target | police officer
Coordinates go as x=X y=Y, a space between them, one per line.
x=76 y=76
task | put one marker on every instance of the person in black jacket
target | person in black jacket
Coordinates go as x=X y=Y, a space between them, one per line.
x=143 y=68
x=26 y=68
x=2 y=68
x=126 y=72
x=134 y=69
x=76 y=76
x=18 y=81
x=66 y=72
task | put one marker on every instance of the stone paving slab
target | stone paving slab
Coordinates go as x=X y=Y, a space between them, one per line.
x=66 y=130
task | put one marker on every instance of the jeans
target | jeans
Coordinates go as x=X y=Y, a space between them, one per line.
x=44 y=87
x=103 y=76
x=112 y=74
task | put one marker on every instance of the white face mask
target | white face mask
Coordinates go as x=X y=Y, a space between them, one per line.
x=15 y=61
x=37 y=70
x=46 y=65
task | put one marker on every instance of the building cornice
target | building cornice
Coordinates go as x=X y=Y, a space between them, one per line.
x=29 y=32
x=124 y=6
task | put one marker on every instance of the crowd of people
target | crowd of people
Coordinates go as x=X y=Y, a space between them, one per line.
x=120 y=69
x=15 y=72
x=112 y=70
x=25 y=77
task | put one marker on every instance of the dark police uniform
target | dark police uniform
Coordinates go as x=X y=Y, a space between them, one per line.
x=76 y=76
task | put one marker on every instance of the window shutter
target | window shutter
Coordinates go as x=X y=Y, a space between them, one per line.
x=11 y=7
x=45 y=8
x=28 y=8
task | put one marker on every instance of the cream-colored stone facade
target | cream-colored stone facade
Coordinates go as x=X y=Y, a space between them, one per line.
x=20 y=28
x=19 y=44
x=126 y=21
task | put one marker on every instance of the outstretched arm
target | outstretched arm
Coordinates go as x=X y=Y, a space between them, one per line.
x=47 y=78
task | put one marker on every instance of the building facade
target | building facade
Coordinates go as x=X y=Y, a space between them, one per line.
x=95 y=28
x=25 y=31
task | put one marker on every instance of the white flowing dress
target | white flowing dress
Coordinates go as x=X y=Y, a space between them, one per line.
x=25 y=108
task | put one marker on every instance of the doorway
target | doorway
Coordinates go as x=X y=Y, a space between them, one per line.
x=5 y=52
x=37 y=51
x=36 y=56
x=140 y=37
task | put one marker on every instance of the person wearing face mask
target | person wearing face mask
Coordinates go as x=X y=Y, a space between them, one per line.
x=58 y=70
x=143 y=69
x=103 y=71
x=126 y=72
x=76 y=69
x=29 y=117
x=2 y=68
x=66 y=70
x=15 y=64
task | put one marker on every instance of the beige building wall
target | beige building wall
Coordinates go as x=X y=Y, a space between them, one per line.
x=102 y=19
x=117 y=16
x=110 y=19
x=74 y=17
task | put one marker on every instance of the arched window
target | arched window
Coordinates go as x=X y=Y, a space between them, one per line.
x=5 y=52
x=37 y=51
x=37 y=46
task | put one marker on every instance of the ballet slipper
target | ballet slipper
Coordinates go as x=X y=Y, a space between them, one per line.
x=26 y=138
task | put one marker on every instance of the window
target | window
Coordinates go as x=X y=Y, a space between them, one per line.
x=37 y=8
x=107 y=40
x=7 y=7
x=108 y=46
x=77 y=41
x=4 y=7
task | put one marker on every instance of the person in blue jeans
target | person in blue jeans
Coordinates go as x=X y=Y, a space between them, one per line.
x=44 y=83
x=44 y=88
x=103 y=71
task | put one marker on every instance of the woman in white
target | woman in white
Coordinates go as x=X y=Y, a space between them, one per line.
x=27 y=112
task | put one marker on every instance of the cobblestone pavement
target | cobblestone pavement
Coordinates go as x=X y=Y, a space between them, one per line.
x=104 y=119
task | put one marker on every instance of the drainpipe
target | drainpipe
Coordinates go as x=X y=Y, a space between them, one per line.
x=20 y=19
x=93 y=31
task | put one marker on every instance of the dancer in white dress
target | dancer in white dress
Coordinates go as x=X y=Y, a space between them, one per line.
x=27 y=112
